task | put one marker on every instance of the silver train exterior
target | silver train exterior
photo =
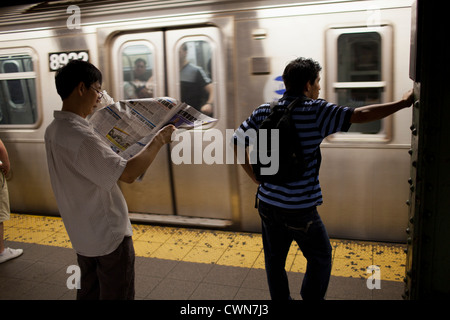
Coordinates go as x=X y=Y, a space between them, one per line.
x=243 y=47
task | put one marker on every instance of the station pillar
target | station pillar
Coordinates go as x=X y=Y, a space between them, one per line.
x=427 y=273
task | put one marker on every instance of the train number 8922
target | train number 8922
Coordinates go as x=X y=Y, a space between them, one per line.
x=60 y=59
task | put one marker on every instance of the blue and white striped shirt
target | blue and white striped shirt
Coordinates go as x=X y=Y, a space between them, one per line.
x=314 y=120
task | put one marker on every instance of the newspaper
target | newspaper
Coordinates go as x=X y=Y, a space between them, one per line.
x=129 y=125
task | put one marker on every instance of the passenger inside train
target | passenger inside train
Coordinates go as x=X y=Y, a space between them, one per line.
x=141 y=84
x=196 y=87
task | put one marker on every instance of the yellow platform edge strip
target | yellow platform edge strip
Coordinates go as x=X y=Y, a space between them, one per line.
x=239 y=249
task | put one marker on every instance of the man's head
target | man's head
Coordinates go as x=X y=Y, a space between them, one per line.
x=183 y=54
x=79 y=86
x=301 y=76
x=75 y=72
x=140 y=66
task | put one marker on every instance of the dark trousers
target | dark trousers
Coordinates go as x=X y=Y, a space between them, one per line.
x=279 y=228
x=109 y=277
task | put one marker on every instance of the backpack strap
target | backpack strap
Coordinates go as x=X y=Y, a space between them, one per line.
x=297 y=101
x=317 y=154
x=300 y=99
x=273 y=104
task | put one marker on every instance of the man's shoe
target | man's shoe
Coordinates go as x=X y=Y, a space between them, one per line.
x=9 y=254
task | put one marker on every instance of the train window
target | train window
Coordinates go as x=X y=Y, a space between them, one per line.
x=360 y=75
x=359 y=57
x=359 y=60
x=137 y=67
x=18 y=105
x=196 y=88
x=356 y=98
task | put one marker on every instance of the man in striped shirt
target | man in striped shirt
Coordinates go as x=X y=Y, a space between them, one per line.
x=288 y=211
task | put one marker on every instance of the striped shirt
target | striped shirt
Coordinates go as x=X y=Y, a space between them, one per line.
x=314 y=120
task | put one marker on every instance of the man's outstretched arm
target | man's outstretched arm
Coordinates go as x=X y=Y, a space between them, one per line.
x=380 y=111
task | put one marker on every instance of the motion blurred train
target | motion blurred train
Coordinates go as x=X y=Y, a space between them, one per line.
x=242 y=47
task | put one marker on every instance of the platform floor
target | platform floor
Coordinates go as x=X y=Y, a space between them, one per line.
x=192 y=264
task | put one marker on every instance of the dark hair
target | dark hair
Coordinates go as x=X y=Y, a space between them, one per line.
x=298 y=72
x=76 y=71
x=138 y=60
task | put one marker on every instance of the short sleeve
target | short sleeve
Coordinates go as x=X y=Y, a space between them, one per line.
x=246 y=133
x=202 y=78
x=332 y=118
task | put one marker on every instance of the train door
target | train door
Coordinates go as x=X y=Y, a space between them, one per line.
x=201 y=190
x=184 y=64
x=138 y=64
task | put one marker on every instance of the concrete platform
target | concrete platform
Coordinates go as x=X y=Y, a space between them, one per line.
x=189 y=264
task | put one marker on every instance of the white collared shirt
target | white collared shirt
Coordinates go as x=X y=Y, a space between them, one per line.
x=84 y=172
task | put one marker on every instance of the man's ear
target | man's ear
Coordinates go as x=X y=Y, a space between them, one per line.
x=81 y=88
x=307 y=87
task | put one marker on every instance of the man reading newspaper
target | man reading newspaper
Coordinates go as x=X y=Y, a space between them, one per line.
x=84 y=172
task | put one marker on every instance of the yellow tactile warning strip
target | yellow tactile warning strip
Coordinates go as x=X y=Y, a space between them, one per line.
x=350 y=258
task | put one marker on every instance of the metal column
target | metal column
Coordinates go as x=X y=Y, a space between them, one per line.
x=428 y=233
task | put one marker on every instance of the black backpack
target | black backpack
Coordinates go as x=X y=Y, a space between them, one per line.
x=292 y=163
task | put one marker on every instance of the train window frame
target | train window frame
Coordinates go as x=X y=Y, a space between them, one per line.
x=383 y=84
x=30 y=78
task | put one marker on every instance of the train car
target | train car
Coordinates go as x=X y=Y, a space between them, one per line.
x=242 y=47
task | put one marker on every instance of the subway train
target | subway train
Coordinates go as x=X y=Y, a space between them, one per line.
x=240 y=49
